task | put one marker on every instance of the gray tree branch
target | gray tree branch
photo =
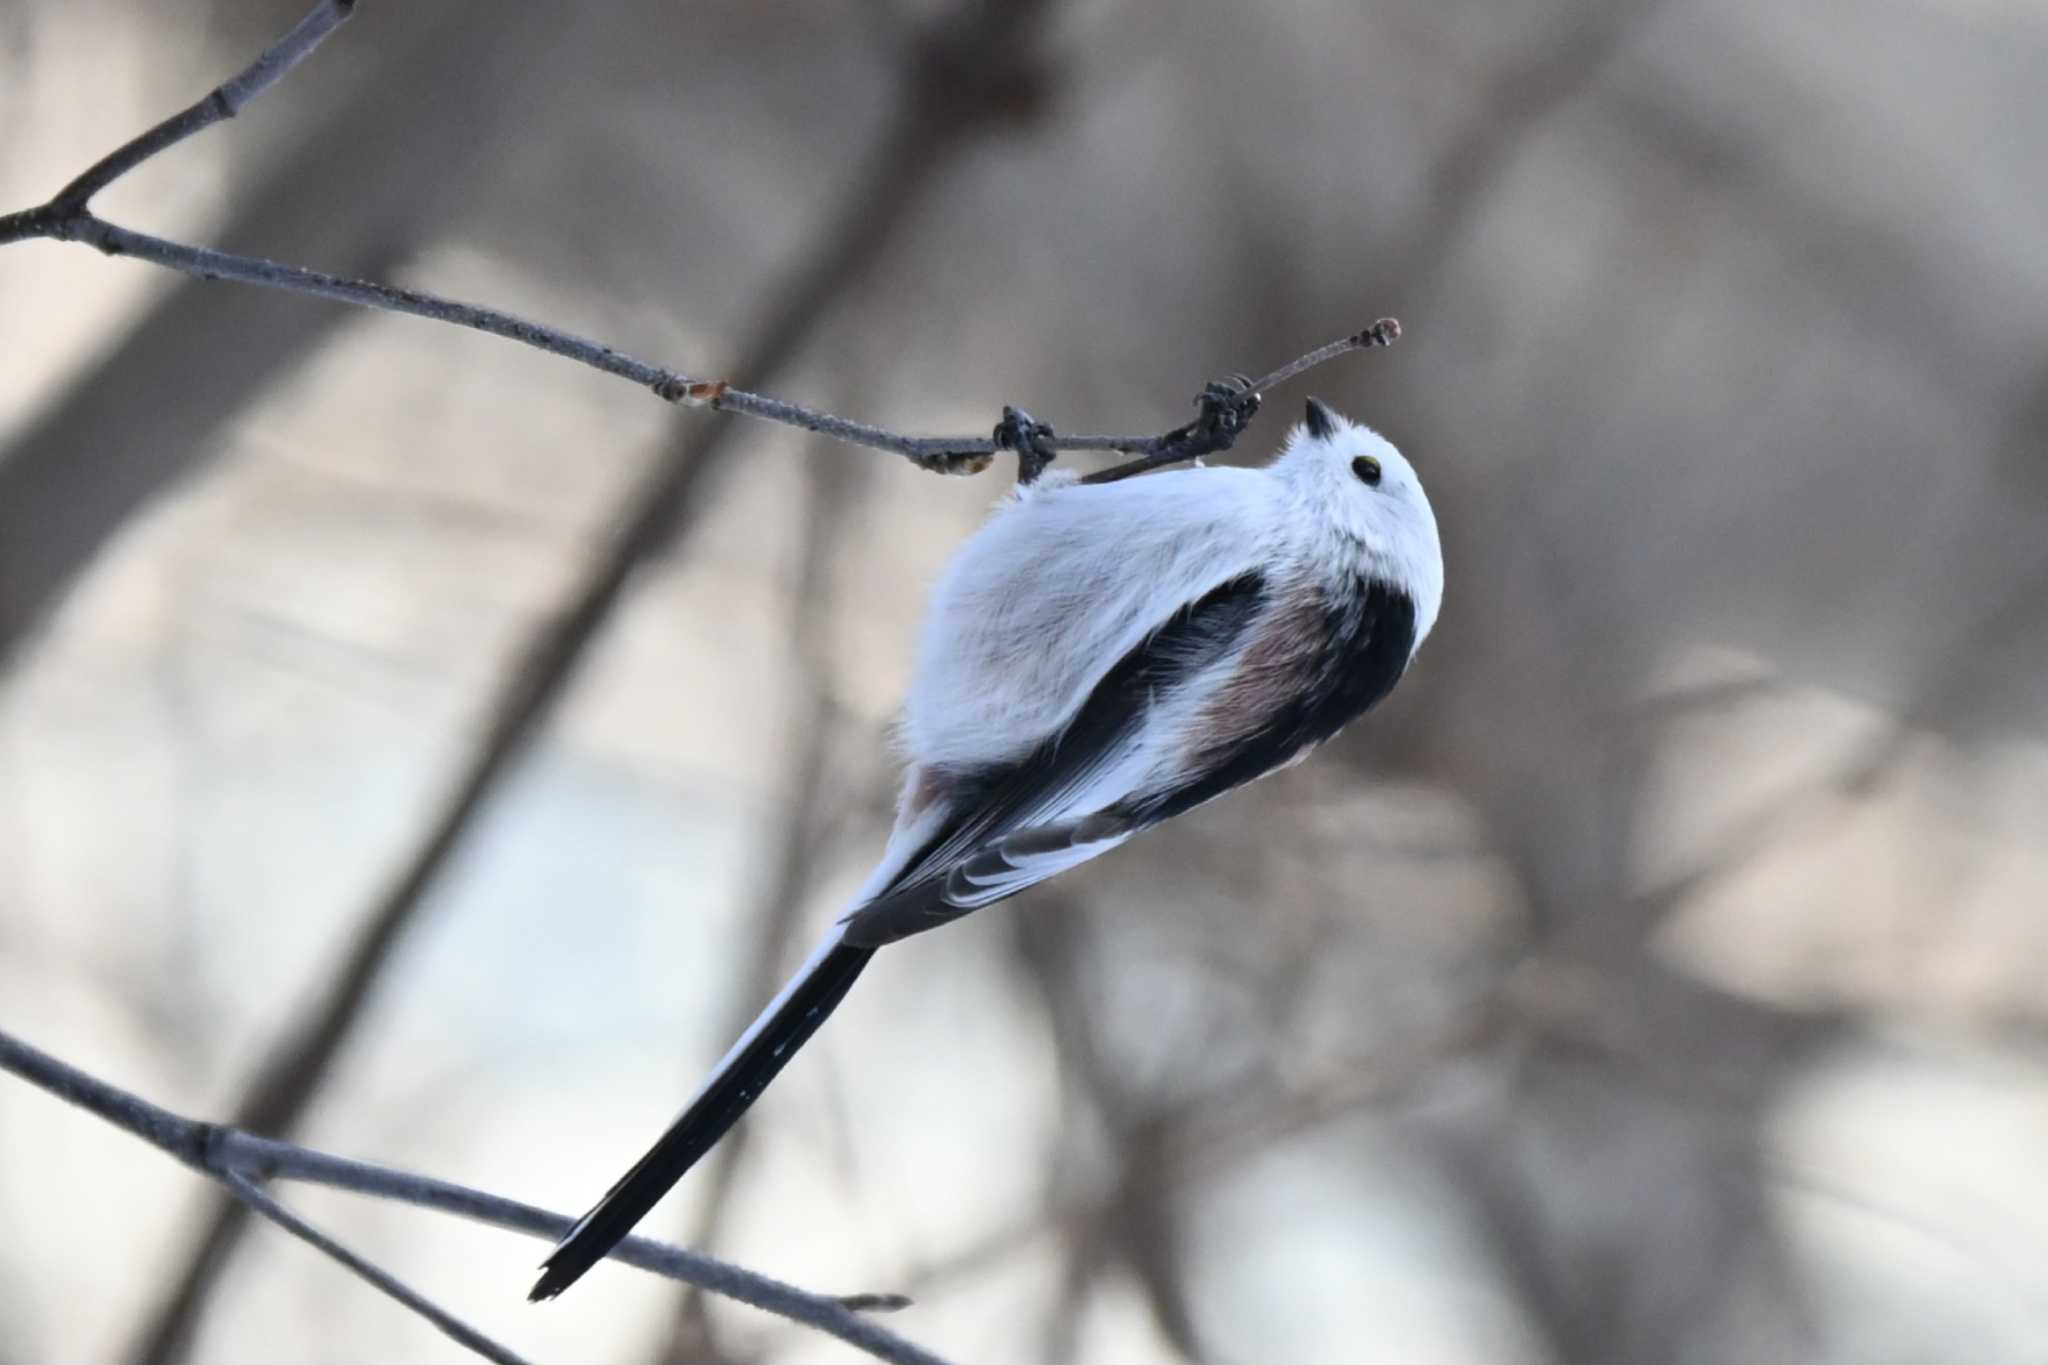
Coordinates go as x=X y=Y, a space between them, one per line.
x=224 y=101
x=68 y=217
x=381 y=1279
x=237 y=1160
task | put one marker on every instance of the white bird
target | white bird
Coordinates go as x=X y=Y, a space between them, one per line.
x=1099 y=658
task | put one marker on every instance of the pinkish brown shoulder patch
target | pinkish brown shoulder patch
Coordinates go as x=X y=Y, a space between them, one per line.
x=1278 y=663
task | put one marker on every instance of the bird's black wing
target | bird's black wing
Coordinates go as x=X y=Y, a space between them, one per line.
x=1366 y=636
x=1001 y=823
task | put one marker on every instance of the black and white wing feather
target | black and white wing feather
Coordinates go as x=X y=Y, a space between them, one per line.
x=1012 y=825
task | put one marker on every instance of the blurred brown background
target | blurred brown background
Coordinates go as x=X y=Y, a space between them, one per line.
x=1658 y=977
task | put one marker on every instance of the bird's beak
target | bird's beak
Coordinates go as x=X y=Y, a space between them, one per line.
x=1321 y=419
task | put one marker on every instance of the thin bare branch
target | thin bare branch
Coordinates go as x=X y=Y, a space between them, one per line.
x=461 y=1332
x=224 y=101
x=270 y=1159
x=1385 y=332
x=1228 y=407
x=1222 y=421
x=207 y=264
x=235 y=1159
x=67 y=217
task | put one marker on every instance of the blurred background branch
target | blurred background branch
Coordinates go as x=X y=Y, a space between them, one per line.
x=793 y=863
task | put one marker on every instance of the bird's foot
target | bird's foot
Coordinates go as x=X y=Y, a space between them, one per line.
x=1030 y=438
x=1225 y=407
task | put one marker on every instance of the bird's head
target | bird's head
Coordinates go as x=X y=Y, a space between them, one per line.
x=1350 y=482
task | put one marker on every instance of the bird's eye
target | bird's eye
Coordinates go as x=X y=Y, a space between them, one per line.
x=1368 y=470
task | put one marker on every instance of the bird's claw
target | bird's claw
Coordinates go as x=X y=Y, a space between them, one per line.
x=1030 y=438
x=1227 y=406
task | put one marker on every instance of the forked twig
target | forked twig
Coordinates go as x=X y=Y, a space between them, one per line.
x=461 y=1332
x=1226 y=408
x=224 y=101
x=237 y=1160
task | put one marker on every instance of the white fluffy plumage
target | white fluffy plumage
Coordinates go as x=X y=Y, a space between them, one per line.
x=1066 y=578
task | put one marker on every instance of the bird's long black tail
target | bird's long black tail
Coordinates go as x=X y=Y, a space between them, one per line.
x=774 y=1038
